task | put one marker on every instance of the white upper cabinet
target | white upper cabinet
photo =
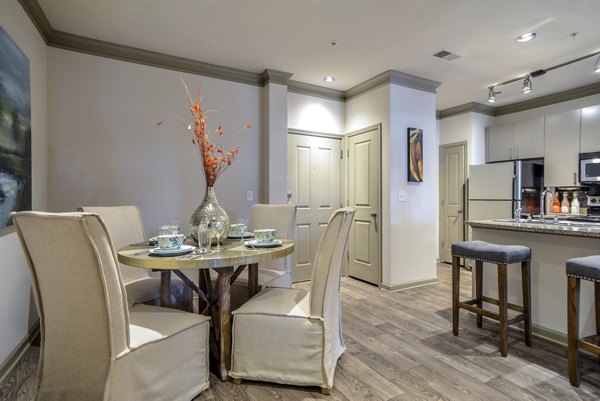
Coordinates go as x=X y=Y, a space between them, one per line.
x=561 y=162
x=590 y=129
x=529 y=138
x=500 y=142
x=515 y=141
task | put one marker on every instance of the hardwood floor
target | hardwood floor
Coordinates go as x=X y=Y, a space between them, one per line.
x=401 y=347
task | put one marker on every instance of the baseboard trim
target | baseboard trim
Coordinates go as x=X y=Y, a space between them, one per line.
x=15 y=356
x=406 y=286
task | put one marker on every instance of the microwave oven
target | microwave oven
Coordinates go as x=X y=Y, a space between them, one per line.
x=589 y=167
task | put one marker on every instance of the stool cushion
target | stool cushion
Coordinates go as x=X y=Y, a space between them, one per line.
x=491 y=253
x=587 y=268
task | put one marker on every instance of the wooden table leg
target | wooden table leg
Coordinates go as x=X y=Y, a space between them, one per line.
x=165 y=288
x=224 y=323
x=252 y=280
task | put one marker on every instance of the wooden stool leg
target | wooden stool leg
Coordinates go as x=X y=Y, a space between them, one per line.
x=573 y=328
x=455 y=292
x=503 y=308
x=526 y=283
x=479 y=290
x=597 y=306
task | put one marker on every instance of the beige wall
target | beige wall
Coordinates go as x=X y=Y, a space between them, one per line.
x=409 y=244
x=315 y=114
x=105 y=148
x=17 y=311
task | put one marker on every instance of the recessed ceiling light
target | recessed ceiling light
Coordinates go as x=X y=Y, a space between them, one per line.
x=328 y=79
x=526 y=37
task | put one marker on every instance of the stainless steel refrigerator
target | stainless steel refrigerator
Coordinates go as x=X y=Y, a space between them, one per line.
x=496 y=190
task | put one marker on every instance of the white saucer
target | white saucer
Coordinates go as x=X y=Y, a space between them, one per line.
x=246 y=234
x=172 y=252
x=255 y=244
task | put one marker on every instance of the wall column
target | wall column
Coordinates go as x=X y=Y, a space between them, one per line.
x=274 y=138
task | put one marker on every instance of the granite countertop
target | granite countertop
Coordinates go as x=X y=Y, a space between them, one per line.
x=564 y=228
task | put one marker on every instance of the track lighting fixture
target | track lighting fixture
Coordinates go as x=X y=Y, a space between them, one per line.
x=492 y=94
x=526 y=79
x=527 y=84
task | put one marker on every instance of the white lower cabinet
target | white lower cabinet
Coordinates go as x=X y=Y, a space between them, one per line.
x=561 y=149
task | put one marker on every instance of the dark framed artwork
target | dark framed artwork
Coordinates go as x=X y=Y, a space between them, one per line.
x=415 y=155
x=15 y=131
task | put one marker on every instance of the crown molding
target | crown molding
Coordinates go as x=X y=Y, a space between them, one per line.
x=472 y=107
x=316 y=91
x=392 y=77
x=275 y=77
x=37 y=16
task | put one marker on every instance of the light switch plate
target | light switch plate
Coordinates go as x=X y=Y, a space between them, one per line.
x=401 y=196
x=250 y=196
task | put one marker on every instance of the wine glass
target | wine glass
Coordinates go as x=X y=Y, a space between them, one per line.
x=218 y=227
x=244 y=226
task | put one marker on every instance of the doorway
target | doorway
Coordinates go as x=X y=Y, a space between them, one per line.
x=314 y=181
x=364 y=195
x=453 y=168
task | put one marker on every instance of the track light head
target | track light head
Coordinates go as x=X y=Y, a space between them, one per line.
x=492 y=94
x=527 y=84
x=597 y=65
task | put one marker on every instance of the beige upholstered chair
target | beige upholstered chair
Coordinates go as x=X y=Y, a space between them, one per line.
x=126 y=227
x=93 y=347
x=294 y=336
x=276 y=273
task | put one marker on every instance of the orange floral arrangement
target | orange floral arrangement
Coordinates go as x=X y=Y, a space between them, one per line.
x=215 y=159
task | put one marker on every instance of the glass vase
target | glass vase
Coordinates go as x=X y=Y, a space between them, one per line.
x=208 y=211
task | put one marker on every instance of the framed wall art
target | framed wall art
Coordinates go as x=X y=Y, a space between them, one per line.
x=415 y=155
x=15 y=131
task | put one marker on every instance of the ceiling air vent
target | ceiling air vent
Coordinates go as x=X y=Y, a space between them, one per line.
x=446 y=55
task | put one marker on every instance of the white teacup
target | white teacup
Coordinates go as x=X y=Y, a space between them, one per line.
x=236 y=229
x=265 y=235
x=170 y=241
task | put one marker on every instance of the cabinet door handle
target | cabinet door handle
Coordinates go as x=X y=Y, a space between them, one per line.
x=516 y=153
x=575 y=178
x=510 y=153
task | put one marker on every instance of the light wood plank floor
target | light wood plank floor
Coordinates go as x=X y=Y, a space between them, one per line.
x=401 y=347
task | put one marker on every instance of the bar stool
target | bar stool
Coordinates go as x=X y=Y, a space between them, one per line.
x=501 y=255
x=587 y=268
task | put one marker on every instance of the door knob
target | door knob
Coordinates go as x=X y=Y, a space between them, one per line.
x=459 y=210
x=373 y=214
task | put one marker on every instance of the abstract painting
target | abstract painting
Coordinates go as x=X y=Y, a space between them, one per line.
x=15 y=131
x=415 y=155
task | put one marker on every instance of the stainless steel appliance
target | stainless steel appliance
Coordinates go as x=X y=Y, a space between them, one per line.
x=589 y=168
x=593 y=207
x=496 y=190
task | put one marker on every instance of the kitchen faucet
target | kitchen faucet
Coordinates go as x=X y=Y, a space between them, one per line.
x=543 y=202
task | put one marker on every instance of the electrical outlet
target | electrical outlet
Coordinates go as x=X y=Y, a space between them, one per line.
x=401 y=196
x=250 y=196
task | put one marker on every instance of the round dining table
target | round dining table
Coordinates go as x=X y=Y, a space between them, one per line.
x=228 y=263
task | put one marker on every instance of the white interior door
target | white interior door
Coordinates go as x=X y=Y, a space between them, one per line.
x=364 y=170
x=314 y=182
x=452 y=186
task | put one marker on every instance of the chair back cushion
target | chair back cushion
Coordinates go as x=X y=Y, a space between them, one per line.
x=126 y=227
x=283 y=219
x=80 y=297
x=327 y=268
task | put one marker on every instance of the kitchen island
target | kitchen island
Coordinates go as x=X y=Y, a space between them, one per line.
x=551 y=245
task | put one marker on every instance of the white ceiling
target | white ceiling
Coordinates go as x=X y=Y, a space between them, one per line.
x=372 y=37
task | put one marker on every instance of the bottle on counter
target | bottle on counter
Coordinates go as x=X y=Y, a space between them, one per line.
x=556 y=204
x=575 y=204
x=565 y=206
